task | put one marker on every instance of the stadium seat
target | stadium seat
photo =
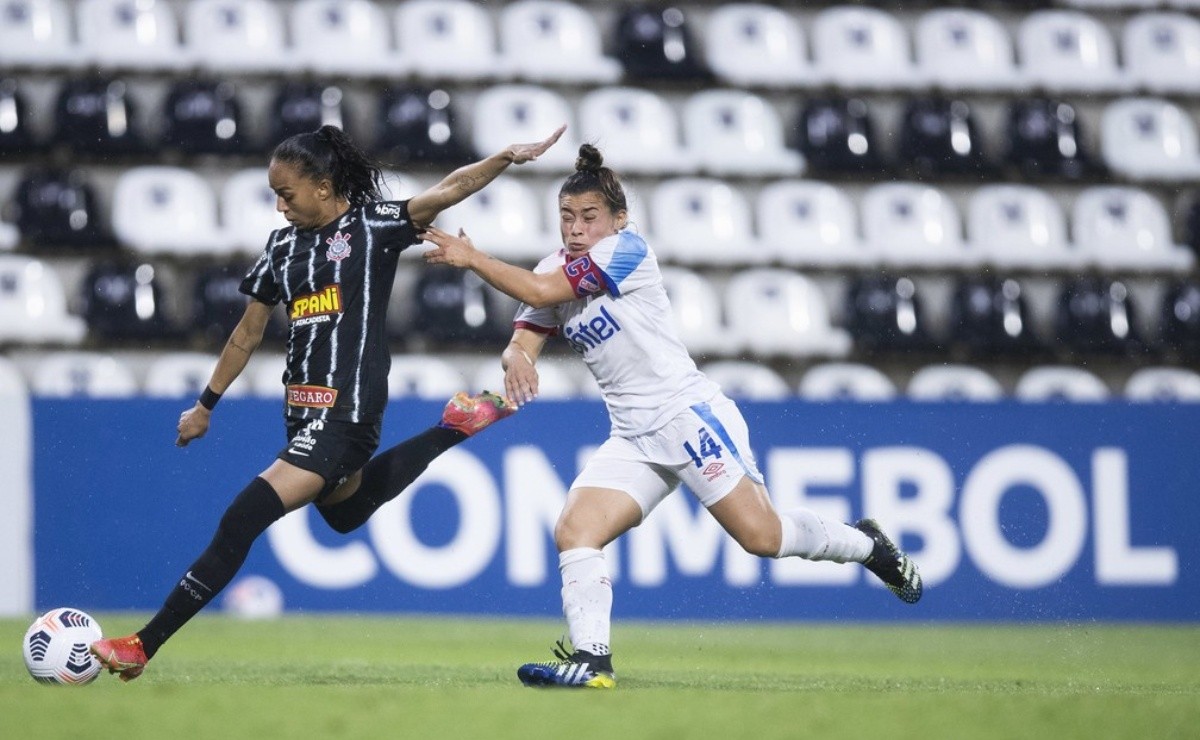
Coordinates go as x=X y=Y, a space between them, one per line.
x=696 y=308
x=742 y=379
x=636 y=130
x=836 y=135
x=1066 y=50
x=756 y=45
x=913 y=225
x=1149 y=139
x=781 y=313
x=447 y=39
x=57 y=208
x=1020 y=226
x=990 y=318
x=703 y=221
x=304 y=107
x=1060 y=383
x=503 y=219
x=33 y=304
x=17 y=135
x=962 y=49
x=237 y=36
x=218 y=305
x=862 y=47
x=805 y=223
x=556 y=42
x=507 y=113
x=1179 y=317
x=124 y=34
x=357 y=29
x=424 y=376
x=418 y=125
x=170 y=210
x=1126 y=228
x=126 y=301
x=89 y=374
x=1097 y=317
x=846 y=381
x=37 y=34
x=556 y=377
x=884 y=313
x=940 y=137
x=655 y=43
x=953 y=383
x=1045 y=139
x=1163 y=384
x=455 y=306
x=96 y=117
x=1160 y=52
x=248 y=210
x=185 y=375
x=204 y=117
x=732 y=132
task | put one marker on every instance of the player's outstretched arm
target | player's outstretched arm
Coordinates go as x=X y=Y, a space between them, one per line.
x=246 y=336
x=535 y=289
x=472 y=178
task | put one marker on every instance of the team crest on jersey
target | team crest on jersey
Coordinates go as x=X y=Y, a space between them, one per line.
x=339 y=247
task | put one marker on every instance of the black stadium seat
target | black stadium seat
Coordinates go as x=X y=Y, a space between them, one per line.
x=990 y=318
x=1045 y=139
x=1096 y=316
x=455 y=306
x=303 y=107
x=204 y=117
x=57 y=208
x=654 y=43
x=939 y=136
x=417 y=124
x=884 y=313
x=124 y=301
x=16 y=136
x=218 y=305
x=836 y=135
x=96 y=117
x=1180 y=320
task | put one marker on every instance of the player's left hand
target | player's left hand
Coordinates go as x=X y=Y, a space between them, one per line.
x=193 y=424
x=456 y=251
x=522 y=153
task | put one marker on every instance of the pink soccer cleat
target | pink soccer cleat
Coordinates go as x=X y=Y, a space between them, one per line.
x=121 y=655
x=470 y=414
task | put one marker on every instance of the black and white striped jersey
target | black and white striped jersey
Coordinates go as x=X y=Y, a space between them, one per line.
x=335 y=283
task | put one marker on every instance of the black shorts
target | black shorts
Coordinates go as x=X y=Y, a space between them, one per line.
x=333 y=450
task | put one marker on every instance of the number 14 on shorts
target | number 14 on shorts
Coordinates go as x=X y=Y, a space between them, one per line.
x=708 y=448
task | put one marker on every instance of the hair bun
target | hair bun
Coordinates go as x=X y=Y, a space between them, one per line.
x=589 y=160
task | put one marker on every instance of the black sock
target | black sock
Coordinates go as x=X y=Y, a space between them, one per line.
x=254 y=509
x=387 y=474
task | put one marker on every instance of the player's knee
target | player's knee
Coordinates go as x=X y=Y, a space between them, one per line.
x=758 y=542
x=570 y=534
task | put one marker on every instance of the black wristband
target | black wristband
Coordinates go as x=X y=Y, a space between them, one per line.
x=209 y=398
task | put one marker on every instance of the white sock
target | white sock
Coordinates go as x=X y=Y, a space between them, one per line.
x=812 y=537
x=587 y=598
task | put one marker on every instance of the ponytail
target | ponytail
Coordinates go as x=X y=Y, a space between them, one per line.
x=329 y=154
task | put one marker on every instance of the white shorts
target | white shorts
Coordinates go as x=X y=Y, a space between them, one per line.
x=706 y=447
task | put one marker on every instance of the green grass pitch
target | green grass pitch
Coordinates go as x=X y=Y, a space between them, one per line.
x=407 y=677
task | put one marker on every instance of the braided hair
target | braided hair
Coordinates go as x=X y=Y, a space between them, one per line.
x=591 y=176
x=329 y=154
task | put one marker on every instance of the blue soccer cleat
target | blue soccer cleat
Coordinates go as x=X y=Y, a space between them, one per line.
x=577 y=670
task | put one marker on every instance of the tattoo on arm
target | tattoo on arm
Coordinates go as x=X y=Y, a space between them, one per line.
x=466 y=182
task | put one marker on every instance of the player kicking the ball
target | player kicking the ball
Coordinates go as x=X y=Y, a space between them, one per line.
x=670 y=424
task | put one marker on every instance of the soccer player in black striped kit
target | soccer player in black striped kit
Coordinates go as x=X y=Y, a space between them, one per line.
x=333 y=270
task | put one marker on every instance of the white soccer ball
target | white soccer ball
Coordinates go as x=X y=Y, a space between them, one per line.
x=56 y=647
x=254 y=597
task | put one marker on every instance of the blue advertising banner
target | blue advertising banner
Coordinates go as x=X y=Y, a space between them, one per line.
x=1013 y=511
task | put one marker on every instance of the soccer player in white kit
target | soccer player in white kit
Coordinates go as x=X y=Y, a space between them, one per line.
x=603 y=292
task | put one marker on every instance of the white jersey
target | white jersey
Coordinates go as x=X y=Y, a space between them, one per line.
x=623 y=328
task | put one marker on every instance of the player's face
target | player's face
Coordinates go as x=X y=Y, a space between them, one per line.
x=585 y=219
x=305 y=203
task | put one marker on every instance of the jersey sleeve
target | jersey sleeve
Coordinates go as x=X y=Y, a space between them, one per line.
x=260 y=282
x=390 y=220
x=611 y=266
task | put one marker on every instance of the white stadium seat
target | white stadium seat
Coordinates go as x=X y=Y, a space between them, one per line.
x=237 y=36
x=636 y=130
x=781 y=313
x=37 y=34
x=1126 y=228
x=845 y=381
x=751 y=45
x=90 y=374
x=356 y=29
x=123 y=34
x=447 y=39
x=554 y=41
x=248 y=210
x=186 y=374
x=504 y=219
x=700 y=220
x=862 y=47
x=33 y=305
x=167 y=210
x=1163 y=384
x=1162 y=52
x=913 y=225
x=733 y=132
x=953 y=383
x=961 y=49
x=1020 y=226
x=696 y=308
x=1057 y=383
x=805 y=223
x=749 y=380
x=1150 y=139
x=519 y=113
x=1065 y=50
x=424 y=376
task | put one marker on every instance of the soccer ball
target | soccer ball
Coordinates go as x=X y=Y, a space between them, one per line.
x=56 y=647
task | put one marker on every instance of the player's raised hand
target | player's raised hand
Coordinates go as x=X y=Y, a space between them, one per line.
x=522 y=153
x=193 y=424
x=456 y=251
